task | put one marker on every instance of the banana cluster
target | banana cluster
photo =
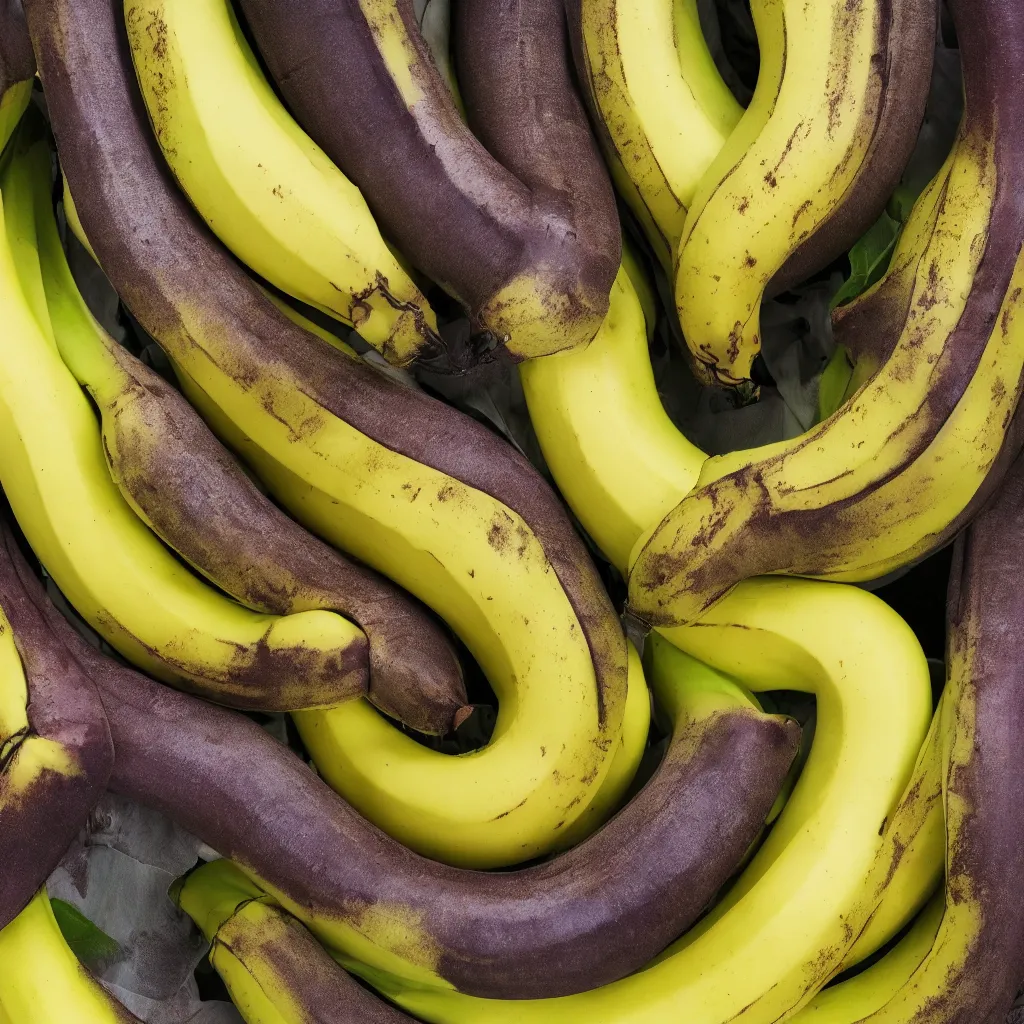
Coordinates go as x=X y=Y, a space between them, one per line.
x=720 y=784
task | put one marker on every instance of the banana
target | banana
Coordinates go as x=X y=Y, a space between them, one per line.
x=111 y=567
x=839 y=100
x=662 y=110
x=410 y=486
x=903 y=464
x=264 y=187
x=592 y=914
x=42 y=981
x=56 y=753
x=972 y=972
x=852 y=1000
x=783 y=928
x=17 y=68
x=517 y=221
x=274 y=970
x=190 y=492
x=618 y=460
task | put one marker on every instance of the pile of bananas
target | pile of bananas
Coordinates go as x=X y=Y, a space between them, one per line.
x=302 y=204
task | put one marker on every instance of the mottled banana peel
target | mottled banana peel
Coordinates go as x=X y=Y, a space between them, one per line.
x=17 y=68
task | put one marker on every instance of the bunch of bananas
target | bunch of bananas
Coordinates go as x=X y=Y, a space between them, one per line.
x=251 y=505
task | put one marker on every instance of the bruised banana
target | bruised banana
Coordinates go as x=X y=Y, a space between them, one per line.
x=835 y=115
x=410 y=486
x=118 y=576
x=274 y=970
x=972 y=972
x=17 y=68
x=192 y=494
x=264 y=187
x=661 y=108
x=901 y=466
x=55 y=748
x=594 y=913
x=521 y=228
x=783 y=928
x=42 y=982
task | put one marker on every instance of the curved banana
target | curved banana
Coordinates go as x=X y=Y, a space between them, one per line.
x=662 y=110
x=274 y=970
x=835 y=115
x=410 y=486
x=901 y=466
x=264 y=187
x=618 y=460
x=110 y=566
x=783 y=929
x=42 y=982
x=17 y=68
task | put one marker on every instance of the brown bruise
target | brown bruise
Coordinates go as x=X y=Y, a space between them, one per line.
x=39 y=822
x=174 y=276
x=198 y=500
x=581 y=920
x=470 y=223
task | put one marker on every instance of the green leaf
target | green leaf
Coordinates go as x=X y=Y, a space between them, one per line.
x=869 y=258
x=87 y=942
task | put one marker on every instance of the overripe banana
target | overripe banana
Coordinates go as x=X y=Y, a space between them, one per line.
x=191 y=493
x=973 y=970
x=274 y=970
x=530 y=250
x=264 y=187
x=783 y=928
x=42 y=982
x=17 y=68
x=591 y=914
x=55 y=748
x=113 y=570
x=661 y=108
x=839 y=100
x=901 y=466
x=413 y=488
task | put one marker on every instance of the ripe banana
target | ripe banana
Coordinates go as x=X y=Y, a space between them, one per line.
x=783 y=928
x=410 y=486
x=42 y=982
x=55 y=748
x=17 y=68
x=592 y=914
x=111 y=567
x=519 y=225
x=662 y=110
x=897 y=470
x=191 y=493
x=264 y=187
x=616 y=457
x=839 y=100
x=972 y=972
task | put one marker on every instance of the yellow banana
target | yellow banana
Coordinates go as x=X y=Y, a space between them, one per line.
x=264 y=187
x=663 y=110
x=42 y=982
x=783 y=928
x=112 y=569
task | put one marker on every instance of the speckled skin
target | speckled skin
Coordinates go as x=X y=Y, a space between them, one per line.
x=470 y=217
x=17 y=63
x=581 y=920
x=162 y=259
x=40 y=818
x=908 y=53
x=200 y=502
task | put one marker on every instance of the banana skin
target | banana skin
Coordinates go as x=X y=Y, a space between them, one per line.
x=530 y=252
x=17 y=68
x=56 y=754
x=900 y=467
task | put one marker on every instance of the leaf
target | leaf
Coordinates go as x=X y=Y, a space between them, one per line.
x=869 y=258
x=87 y=942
